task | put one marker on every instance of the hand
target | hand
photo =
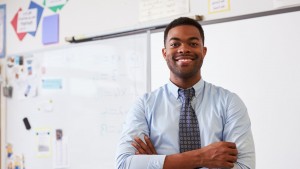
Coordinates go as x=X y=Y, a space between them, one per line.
x=143 y=148
x=218 y=155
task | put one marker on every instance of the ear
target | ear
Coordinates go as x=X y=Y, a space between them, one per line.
x=164 y=53
x=204 y=51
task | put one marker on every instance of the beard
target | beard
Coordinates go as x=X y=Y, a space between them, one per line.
x=185 y=72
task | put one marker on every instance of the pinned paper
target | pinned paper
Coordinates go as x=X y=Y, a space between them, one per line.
x=215 y=6
x=43 y=138
x=55 y=5
x=150 y=10
x=27 y=21
x=52 y=83
x=46 y=106
x=14 y=23
x=40 y=10
x=61 y=157
x=50 y=29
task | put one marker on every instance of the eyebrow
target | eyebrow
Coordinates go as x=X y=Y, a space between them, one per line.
x=191 y=38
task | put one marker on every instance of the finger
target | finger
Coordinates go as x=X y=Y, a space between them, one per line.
x=135 y=145
x=231 y=145
x=143 y=145
x=150 y=145
x=138 y=148
x=139 y=141
x=233 y=152
x=229 y=165
x=231 y=159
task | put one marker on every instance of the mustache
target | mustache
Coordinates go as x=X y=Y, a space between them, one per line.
x=185 y=56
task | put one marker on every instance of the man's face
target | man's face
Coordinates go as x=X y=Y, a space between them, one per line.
x=184 y=52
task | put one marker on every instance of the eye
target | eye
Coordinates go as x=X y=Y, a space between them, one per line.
x=175 y=44
x=193 y=44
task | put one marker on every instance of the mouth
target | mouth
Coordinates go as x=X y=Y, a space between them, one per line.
x=184 y=61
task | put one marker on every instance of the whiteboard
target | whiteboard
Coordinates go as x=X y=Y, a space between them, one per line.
x=85 y=90
x=259 y=60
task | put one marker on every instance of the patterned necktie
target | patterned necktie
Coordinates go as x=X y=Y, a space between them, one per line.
x=189 y=134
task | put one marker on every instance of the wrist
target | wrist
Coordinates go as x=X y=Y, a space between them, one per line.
x=186 y=160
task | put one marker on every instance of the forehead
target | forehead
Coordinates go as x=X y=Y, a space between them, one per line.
x=183 y=31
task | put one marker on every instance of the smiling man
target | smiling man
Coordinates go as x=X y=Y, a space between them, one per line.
x=187 y=123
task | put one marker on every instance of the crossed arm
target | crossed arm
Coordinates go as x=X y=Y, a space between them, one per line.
x=215 y=155
x=233 y=148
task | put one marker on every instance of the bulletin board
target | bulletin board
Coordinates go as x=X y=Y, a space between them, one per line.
x=81 y=92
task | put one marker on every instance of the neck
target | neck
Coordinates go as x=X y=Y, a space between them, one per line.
x=185 y=83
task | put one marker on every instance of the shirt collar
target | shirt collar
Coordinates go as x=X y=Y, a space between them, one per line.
x=173 y=89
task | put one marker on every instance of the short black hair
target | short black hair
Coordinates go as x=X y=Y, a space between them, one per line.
x=183 y=21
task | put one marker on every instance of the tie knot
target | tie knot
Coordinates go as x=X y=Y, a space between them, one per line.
x=186 y=94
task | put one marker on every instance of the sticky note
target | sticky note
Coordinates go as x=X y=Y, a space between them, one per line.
x=50 y=32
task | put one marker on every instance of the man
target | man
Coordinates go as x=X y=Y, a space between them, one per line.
x=187 y=123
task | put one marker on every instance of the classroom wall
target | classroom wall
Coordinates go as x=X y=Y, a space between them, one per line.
x=100 y=17
x=97 y=17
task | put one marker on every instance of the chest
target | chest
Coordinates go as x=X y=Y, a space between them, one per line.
x=163 y=122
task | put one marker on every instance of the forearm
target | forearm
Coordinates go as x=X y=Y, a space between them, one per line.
x=185 y=160
x=215 y=155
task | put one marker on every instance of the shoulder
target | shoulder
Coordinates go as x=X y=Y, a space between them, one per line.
x=219 y=93
x=227 y=102
x=157 y=93
x=216 y=90
x=159 y=96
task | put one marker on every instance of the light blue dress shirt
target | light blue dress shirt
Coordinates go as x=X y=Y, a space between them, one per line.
x=221 y=114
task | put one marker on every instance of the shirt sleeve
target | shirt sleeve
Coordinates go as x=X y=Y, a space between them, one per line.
x=136 y=126
x=237 y=129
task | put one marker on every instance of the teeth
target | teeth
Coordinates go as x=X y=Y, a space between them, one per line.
x=184 y=60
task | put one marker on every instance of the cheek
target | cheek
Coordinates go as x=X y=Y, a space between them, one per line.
x=168 y=56
x=200 y=54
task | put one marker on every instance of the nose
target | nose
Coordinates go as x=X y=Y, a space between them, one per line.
x=184 y=49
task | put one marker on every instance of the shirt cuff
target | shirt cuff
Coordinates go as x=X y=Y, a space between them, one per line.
x=154 y=161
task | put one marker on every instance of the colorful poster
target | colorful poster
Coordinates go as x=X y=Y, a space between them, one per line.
x=55 y=5
x=40 y=10
x=14 y=23
x=27 y=21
